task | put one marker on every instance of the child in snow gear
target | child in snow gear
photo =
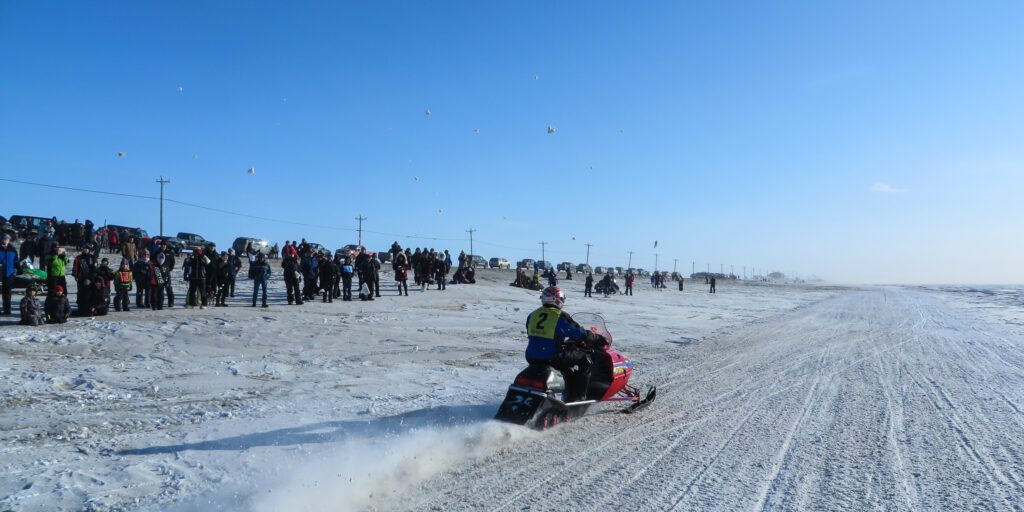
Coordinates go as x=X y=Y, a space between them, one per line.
x=31 y=313
x=346 y=279
x=57 y=308
x=122 y=285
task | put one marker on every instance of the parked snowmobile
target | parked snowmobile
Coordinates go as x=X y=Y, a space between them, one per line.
x=537 y=397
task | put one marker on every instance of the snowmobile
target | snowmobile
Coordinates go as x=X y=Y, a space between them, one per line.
x=537 y=397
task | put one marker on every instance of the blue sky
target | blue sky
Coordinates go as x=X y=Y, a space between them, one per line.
x=859 y=141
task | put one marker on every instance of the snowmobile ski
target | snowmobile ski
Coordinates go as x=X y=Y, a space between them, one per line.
x=651 y=394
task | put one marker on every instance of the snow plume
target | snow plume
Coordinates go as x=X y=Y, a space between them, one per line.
x=363 y=472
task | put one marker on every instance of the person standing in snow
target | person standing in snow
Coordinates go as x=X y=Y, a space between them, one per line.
x=712 y=290
x=290 y=266
x=401 y=267
x=195 y=274
x=347 y=271
x=142 y=287
x=122 y=285
x=260 y=276
x=327 y=274
x=8 y=267
x=629 y=283
x=588 y=285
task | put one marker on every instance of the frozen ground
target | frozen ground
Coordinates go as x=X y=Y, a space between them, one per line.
x=770 y=397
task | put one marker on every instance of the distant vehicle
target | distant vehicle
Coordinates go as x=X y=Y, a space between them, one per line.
x=676 y=276
x=543 y=265
x=191 y=241
x=136 y=232
x=499 y=263
x=643 y=273
x=600 y=270
x=385 y=256
x=583 y=268
x=318 y=248
x=477 y=261
x=350 y=250
x=258 y=244
x=526 y=263
x=565 y=265
x=618 y=270
x=25 y=223
x=171 y=242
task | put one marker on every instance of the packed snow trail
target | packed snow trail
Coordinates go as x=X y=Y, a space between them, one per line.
x=870 y=399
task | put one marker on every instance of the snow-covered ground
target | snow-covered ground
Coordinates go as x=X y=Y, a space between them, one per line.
x=779 y=397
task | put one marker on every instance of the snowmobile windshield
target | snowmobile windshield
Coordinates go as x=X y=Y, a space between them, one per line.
x=593 y=322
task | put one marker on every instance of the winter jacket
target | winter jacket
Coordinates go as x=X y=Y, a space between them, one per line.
x=105 y=276
x=31 y=313
x=141 y=270
x=123 y=280
x=261 y=272
x=310 y=266
x=197 y=268
x=129 y=251
x=327 y=273
x=58 y=309
x=44 y=247
x=9 y=260
x=56 y=265
x=290 y=266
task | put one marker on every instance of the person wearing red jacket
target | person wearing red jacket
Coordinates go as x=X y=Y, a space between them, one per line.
x=629 y=283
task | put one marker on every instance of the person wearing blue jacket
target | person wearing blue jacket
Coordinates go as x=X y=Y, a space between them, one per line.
x=551 y=333
x=8 y=267
x=260 y=276
x=310 y=267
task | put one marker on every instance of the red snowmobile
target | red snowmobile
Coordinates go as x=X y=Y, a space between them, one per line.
x=537 y=397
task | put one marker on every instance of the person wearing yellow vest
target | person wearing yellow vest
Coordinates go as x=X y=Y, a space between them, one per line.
x=122 y=285
x=551 y=333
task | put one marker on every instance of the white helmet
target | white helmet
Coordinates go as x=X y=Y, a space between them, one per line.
x=552 y=296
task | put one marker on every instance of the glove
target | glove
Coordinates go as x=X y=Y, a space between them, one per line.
x=593 y=339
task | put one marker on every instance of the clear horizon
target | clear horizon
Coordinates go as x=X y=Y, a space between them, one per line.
x=859 y=142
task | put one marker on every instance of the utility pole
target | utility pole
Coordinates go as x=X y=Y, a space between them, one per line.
x=542 y=244
x=721 y=268
x=693 y=267
x=655 y=262
x=162 y=182
x=470 y=231
x=675 y=261
x=630 y=264
x=360 y=219
x=588 y=253
x=709 y=268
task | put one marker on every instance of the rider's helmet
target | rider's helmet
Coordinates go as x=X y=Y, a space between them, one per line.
x=552 y=296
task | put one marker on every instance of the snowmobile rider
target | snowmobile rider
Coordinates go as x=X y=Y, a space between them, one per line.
x=552 y=333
